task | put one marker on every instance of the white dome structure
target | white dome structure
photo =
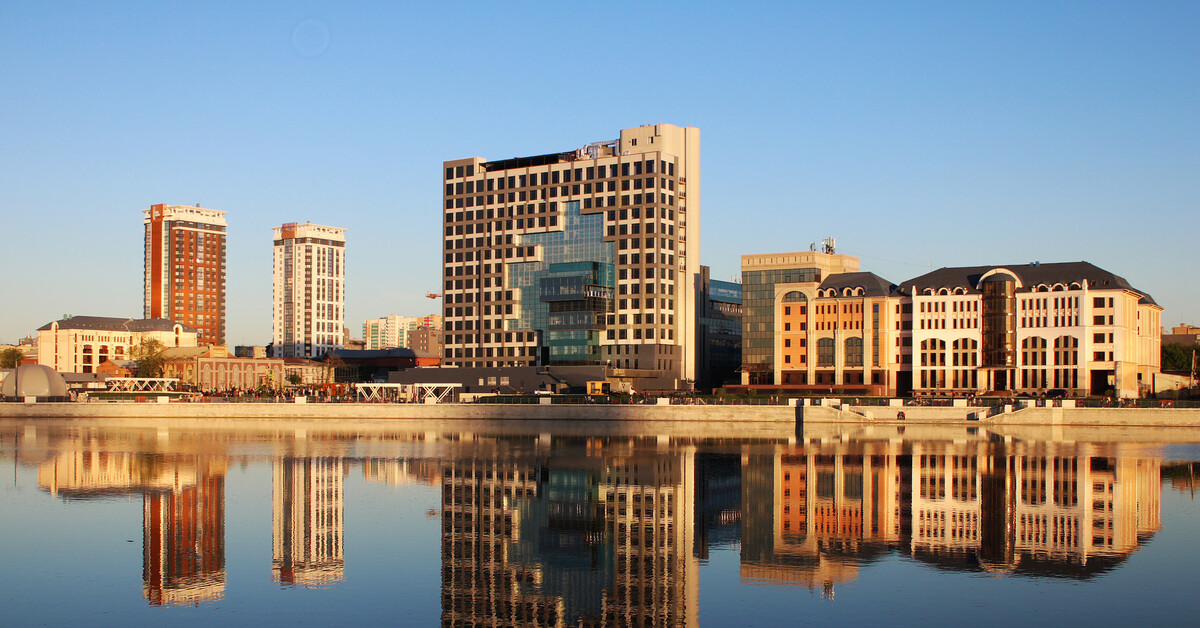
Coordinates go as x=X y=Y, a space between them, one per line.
x=35 y=380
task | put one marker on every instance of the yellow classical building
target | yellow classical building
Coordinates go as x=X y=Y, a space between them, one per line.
x=1029 y=328
x=78 y=344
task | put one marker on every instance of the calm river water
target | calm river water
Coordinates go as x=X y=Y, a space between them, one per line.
x=134 y=526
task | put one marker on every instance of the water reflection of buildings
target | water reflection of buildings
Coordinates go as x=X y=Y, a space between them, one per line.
x=1066 y=511
x=588 y=540
x=397 y=472
x=649 y=501
x=481 y=586
x=541 y=531
x=813 y=516
x=307 y=520
x=183 y=543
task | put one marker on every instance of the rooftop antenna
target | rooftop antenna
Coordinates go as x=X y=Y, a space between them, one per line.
x=829 y=245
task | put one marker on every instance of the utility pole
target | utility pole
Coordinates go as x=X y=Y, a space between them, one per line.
x=1192 y=377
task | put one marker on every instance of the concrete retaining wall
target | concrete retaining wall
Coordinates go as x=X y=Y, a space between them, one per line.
x=740 y=416
x=387 y=411
x=1116 y=417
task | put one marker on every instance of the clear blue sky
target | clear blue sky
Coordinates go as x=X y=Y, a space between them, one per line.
x=920 y=134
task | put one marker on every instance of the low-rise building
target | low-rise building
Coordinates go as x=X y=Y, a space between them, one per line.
x=212 y=368
x=118 y=368
x=306 y=372
x=1182 y=335
x=1021 y=329
x=79 y=344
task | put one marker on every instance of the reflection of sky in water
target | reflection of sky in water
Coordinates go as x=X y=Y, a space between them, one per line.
x=240 y=529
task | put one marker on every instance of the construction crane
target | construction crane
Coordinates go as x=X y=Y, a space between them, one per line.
x=432 y=295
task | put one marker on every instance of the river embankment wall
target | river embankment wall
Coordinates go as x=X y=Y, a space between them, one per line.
x=772 y=422
x=402 y=411
x=691 y=414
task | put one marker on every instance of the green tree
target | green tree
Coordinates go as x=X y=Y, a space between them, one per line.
x=294 y=379
x=1177 y=357
x=148 y=354
x=10 y=357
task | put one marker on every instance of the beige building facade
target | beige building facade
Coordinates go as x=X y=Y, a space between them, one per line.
x=79 y=344
x=1031 y=328
x=581 y=257
x=768 y=280
x=212 y=368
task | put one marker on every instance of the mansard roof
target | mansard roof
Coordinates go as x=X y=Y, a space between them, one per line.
x=111 y=323
x=1032 y=277
x=873 y=285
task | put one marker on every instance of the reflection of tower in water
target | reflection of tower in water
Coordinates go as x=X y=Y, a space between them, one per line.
x=810 y=517
x=307 y=520
x=649 y=505
x=592 y=540
x=183 y=511
x=481 y=584
x=183 y=551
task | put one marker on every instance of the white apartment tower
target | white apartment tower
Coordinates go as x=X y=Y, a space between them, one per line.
x=309 y=290
x=586 y=257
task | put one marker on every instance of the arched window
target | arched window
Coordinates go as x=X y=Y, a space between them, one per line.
x=965 y=353
x=1066 y=362
x=933 y=352
x=933 y=361
x=964 y=356
x=794 y=296
x=1033 y=359
x=854 y=351
x=825 y=351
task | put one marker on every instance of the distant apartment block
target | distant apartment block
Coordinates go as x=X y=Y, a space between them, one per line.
x=426 y=341
x=185 y=268
x=392 y=331
x=309 y=289
x=586 y=257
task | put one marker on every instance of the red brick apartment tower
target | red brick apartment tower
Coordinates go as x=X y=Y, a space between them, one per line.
x=185 y=268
